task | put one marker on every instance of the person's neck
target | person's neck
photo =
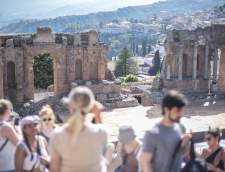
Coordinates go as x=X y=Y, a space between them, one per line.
x=214 y=147
x=31 y=139
x=167 y=123
x=47 y=129
x=132 y=145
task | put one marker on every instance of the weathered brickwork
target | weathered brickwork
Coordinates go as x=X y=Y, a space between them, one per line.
x=193 y=58
x=78 y=56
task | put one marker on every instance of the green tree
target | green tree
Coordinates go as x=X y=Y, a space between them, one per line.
x=43 y=71
x=125 y=65
x=157 y=62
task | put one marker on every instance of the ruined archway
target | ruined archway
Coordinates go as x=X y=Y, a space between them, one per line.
x=78 y=69
x=43 y=75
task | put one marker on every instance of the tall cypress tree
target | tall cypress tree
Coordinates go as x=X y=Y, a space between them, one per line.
x=125 y=65
x=157 y=62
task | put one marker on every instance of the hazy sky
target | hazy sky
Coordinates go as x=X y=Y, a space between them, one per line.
x=124 y=2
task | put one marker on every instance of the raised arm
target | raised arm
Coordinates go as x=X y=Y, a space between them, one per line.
x=9 y=132
x=19 y=158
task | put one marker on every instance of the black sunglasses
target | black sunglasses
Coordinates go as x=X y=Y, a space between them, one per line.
x=47 y=119
x=208 y=139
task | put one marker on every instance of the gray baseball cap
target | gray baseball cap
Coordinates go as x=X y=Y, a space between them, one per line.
x=126 y=134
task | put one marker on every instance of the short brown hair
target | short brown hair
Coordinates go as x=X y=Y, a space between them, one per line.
x=173 y=99
x=4 y=106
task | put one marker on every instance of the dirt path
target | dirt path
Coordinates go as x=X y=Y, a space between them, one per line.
x=197 y=118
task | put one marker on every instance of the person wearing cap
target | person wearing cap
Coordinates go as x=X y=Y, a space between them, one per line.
x=129 y=147
x=8 y=137
x=31 y=153
x=79 y=145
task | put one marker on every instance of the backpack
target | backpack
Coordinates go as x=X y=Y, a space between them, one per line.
x=195 y=165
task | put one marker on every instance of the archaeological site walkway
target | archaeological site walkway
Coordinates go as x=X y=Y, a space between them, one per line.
x=136 y=116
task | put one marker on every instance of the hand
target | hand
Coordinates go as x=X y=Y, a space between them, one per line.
x=211 y=167
x=97 y=112
x=97 y=108
x=44 y=161
x=186 y=139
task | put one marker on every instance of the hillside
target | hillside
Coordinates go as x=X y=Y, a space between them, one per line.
x=145 y=12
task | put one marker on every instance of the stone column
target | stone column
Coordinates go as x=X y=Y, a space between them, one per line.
x=85 y=63
x=206 y=72
x=1 y=77
x=180 y=63
x=30 y=79
x=59 y=74
x=215 y=65
x=168 y=72
x=195 y=56
x=19 y=76
x=102 y=62
x=221 y=80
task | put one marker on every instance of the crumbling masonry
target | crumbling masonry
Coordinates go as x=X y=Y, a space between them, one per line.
x=78 y=56
x=195 y=60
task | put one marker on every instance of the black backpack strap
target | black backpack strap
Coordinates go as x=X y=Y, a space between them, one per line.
x=5 y=142
x=174 y=155
x=212 y=157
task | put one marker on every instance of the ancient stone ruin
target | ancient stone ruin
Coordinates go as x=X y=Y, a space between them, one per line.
x=77 y=56
x=195 y=60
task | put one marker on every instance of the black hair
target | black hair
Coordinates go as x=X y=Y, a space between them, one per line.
x=173 y=99
x=29 y=147
x=215 y=132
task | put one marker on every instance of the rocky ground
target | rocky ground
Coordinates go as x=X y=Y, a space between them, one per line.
x=202 y=112
x=197 y=118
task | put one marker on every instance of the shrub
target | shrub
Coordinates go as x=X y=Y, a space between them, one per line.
x=43 y=71
x=131 y=78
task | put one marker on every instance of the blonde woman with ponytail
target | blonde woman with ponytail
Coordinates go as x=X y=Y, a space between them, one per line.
x=79 y=146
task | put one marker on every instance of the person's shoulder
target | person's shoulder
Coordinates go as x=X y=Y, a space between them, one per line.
x=42 y=139
x=99 y=130
x=7 y=128
x=59 y=131
x=154 y=130
x=6 y=125
x=180 y=127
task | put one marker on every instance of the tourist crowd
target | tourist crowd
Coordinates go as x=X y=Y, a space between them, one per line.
x=38 y=144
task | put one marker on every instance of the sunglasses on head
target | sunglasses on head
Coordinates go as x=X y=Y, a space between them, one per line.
x=47 y=119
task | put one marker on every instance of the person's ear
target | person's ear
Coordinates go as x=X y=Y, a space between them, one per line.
x=166 y=110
